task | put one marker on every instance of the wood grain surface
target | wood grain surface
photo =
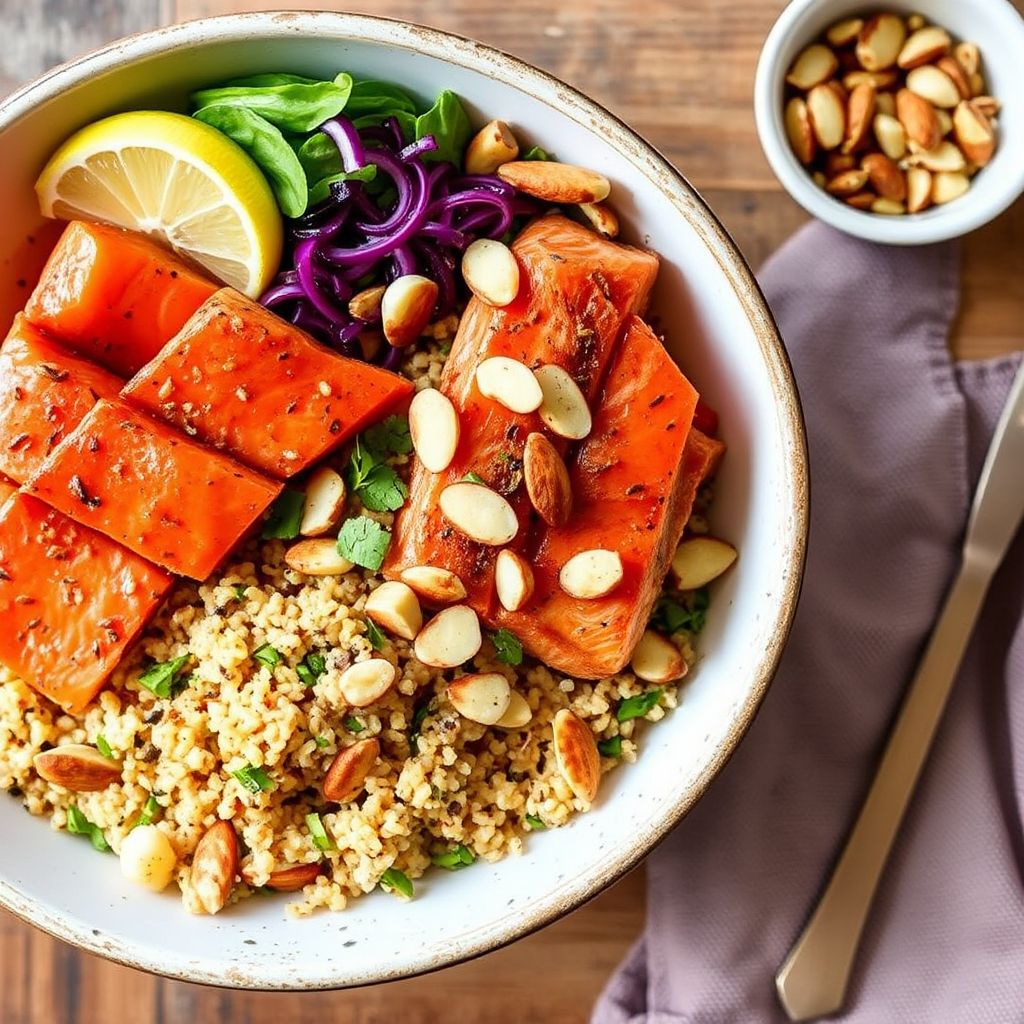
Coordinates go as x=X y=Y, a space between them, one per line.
x=681 y=73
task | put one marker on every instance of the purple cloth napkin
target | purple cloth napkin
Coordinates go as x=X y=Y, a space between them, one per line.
x=897 y=434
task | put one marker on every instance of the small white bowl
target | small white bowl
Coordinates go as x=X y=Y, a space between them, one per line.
x=997 y=28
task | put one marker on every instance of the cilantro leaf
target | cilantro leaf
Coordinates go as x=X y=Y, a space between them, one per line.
x=254 y=779
x=103 y=746
x=535 y=822
x=474 y=478
x=163 y=679
x=150 y=810
x=397 y=882
x=353 y=724
x=363 y=541
x=508 y=647
x=672 y=615
x=382 y=490
x=374 y=635
x=638 y=706
x=611 y=747
x=391 y=436
x=458 y=857
x=318 y=833
x=80 y=825
x=267 y=655
x=311 y=668
x=285 y=515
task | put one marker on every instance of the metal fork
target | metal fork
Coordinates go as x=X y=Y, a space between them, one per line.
x=813 y=979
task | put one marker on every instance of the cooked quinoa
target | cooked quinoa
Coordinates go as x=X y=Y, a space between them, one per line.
x=443 y=787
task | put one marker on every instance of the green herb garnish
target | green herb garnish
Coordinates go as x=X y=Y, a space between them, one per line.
x=535 y=822
x=254 y=779
x=375 y=636
x=508 y=647
x=285 y=514
x=672 y=615
x=311 y=668
x=611 y=747
x=80 y=825
x=474 y=478
x=458 y=857
x=165 y=679
x=638 y=706
x=267 y=655
x=321 y=741
x=318 y=833
x=104 y=747
x=390 y=436
x=353 y=724
x=397 y=882
x=369 y=476
x=239 y=589
x=150 y=810
x=363 y=541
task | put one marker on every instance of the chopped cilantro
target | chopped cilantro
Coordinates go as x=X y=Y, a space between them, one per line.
x=474 y=478
x=535 y=822
x=458 y=857
x=254 y=779
x=535 y=153
x=509 y=649
x=363 y=541
x=353 y=724
x=638 y=706
x=311 y=668
x=80 y=825
x=318 y=833
x=689 y=613
x=397 y=882
x=369 y=476
x=285 y=515
x=149 y=811
x=611 y=747
x=104 y=747
x=321 y=741
x=164 y=679
x=267 y=655
x=390 y=436
x=374 y=635
x=239 y=589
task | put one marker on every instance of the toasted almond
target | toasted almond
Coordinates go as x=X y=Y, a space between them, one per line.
x=513 y=579
x=977 y=85
x=919 y=189
x=918 y=118
x=890 y=136
x=324 y=502
x=289 y=879
x=988 y=105
x=517 y=714
x=860 y=111
x=844 y=32
x=434 y=428
x=491 y=272
x=837 y=162
x=494 y=145
x=656 y=659
x=147 y=857
x=950 y=66
x=435 y=586
x=394 y=606
x=214 y=866
x=479 y=513
x=509 y=382
x=860 y=200
x=547 y=480
x=601 y=217
x=564 y=409
x=945 y=121
x=948 y=185
x=885 y=102
x=924 y=46
x=944 y=157
x=879 y=79
x=576 y=754
x=814 y=64
x=78 y=767
x=885 y=176
x=826 y=111
x=482 y=697
x=915 y=21
x=365 y=305
x=880 y=41
x=591 y=574
x=555 y=182
x=450 y=638
x=346 y=776
x=317 y=556
x=365 y=682
x=799 y=131
x=406 y=308
x=847 y=183
x=968 y=56
x=974 y=132
x=888 y=207
x=699 y=560
x=934 y=85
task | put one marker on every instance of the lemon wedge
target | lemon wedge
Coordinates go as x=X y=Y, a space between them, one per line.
x=177 y=179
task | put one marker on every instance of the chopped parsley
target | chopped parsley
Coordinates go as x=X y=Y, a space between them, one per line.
x=353 y=724
x=508 y=647
x=104 y=747
x=690 y=613
x=611 y=747
x=285 y=515
x=535 y=822
x=80 y=825
x=165 y=679
x=321 y=741
x=149 y=811
x=318 y=833
x=363 y=541
x=239 y=589
x=474 y=478
x=267 y=655
x=397 y=882
x=458 y=857
x=311 y=668
x=369 y=476
x=638 y=706
x=418 y=718
x=254 y=779
x=374 y=635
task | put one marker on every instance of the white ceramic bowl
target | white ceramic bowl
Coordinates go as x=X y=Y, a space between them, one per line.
x=997 y=28
x=716 y=318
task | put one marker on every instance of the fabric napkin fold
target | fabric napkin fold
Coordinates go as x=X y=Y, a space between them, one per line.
x=897 y=433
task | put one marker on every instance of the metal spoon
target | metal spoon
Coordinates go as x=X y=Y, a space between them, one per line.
x=812 y=981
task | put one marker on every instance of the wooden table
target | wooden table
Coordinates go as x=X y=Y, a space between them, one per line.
x=681 y=73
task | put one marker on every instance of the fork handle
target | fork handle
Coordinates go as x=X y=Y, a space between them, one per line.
x=813 y=979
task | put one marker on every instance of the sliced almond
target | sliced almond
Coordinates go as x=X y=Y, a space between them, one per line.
x=434 y=428
x=944 y=157
x=564 y=409
x=317 y=556
x=799 y=131
x=601 y=217
x=289 y=879
x=78 y=767
x=885 y=102
x=491 y=272
x=346 y=776
x=988 y=105
x=918 y=118
x=814 y=64
x=576 y=754
x=214 y=866
x=887 y=207
x=365 y=682
x=919 y=189
x=394 y=606
x=324 y=502
x=837 y=162
x=860 y=200
x=591 y=574
x=547 y=480
x=949 y=185
x=656 y=659
x=924 y=46
x=977 y=85
x=699 y=560
x=880 y=41
x=968 y=56
x=885 y=176
x=365 y=305
x=950 y=66
x=509 y=382
x=450 y=638
x=479 y=513
x=513 y=579
x=518 y=713
x=860 y=112
x=844 y=32
x=494 y=145
x=974 y=132
x=879 y=79
x=934 y=85
x=435 y=585
x=555 y=182
x=481 y=697
x=945 y=121
x=890 y=136
x=406 y=308
x=826 y=111
x=847 y=183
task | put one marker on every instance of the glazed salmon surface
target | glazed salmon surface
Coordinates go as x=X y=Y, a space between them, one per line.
x=243 y=380
x=115 y=296
x=71 y=601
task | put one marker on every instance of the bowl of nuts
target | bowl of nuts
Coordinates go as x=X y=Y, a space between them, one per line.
x=902 y=124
